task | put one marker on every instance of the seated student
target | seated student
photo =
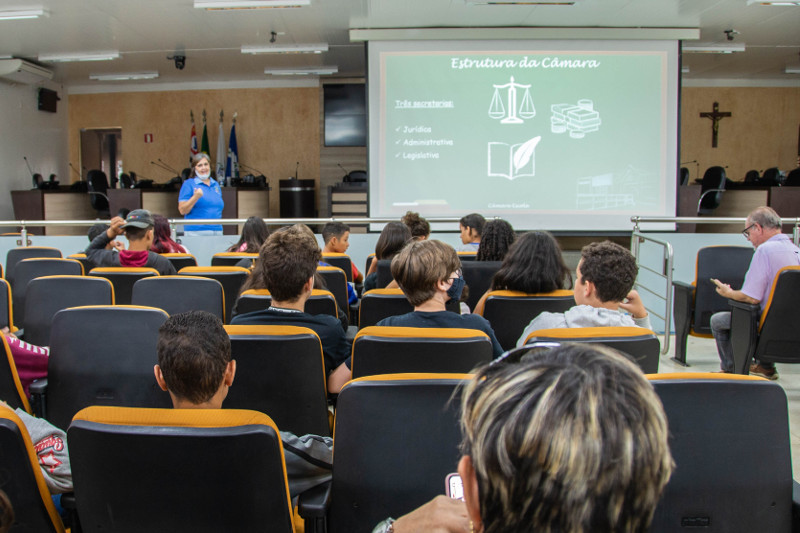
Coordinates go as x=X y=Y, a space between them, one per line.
x=138 y=228
x=531 y=461
x=337 y=240
x=532 y=265
x=30 y=360
x=604 y=281
x=419 y=227
x=286 y=265
x=393 y=237
x=471 y=228
x=254 y=233
x=429 y=274
x=195 y=367
x=496 y=238
x=162 y=238
x=96 y=230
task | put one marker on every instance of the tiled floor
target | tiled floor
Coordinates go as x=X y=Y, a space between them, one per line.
x=702 y=356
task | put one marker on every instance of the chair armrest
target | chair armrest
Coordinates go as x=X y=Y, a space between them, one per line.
x=682 y=304
x=682 y=285
x=38 y=394
x=314 y=502
x=70 y=516
x=744 y=334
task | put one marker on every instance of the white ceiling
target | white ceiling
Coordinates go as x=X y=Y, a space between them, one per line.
x=147 y=31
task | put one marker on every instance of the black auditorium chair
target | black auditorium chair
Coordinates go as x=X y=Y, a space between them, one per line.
x=771 y=335
x=22 y=479
x=392 y=350
x=397 y=439
x=6 y=307
x=478 y=277
x=683 y=176
x=378 y=304
x=98 y=189
x=11 y=390
x=771 y=177
x=100 y=355
x=336 y=282
x=751 y=177
x=695 y=302
x=467 y=255
x=509 y=312
x=180 y=260
x=280 y=371
x=178 y=294
x=711 y=189
x=30 y=269
x=87 y=265
x=321 y=302
x=199 y=470
x=50 y=294
x=231 y=258
x=340 y=260
x=15 y=255
x=640 y=345
x=729 y=438
x=123 y=278
x=793 y=178
x=384 y=273
x=231 y=278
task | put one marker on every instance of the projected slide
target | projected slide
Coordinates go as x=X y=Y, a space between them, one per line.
x=564 y=135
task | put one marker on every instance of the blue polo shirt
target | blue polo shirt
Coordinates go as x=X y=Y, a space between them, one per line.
x=208 y=206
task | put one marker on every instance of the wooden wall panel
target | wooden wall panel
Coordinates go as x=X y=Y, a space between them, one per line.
x=275 y=128
x=762 y=132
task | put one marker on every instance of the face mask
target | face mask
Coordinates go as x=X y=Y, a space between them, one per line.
x=204 y=176
x=454 y=292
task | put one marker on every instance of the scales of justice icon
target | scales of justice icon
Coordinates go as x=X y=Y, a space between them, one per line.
x=516 y=113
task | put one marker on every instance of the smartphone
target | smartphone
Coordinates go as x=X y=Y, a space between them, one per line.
x=453 y=487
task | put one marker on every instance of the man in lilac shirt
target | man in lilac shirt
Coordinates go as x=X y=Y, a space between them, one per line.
x=774 y=250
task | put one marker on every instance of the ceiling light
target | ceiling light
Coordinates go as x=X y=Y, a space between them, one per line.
x=18 y=14
x=80 y=56
x=248 y=4
x=521 y=2
x=712 y=48
x=316 y=48
x=124 y=76
x=772 y=3
x=301 y=71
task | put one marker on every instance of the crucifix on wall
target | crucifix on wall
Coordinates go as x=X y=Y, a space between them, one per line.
x=715 y=117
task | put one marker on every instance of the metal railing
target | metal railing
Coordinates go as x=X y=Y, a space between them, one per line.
x=637 y=221
x=174 y=222
x=664 y=273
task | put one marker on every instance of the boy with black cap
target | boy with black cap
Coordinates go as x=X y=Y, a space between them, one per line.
x=138 y=229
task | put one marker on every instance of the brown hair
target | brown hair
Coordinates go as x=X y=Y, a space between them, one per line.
x=610 y=267
x=420 y=265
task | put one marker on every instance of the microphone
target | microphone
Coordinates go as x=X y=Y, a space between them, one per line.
x=343 y=169
x=28 y=164
x=253 y=169
x=295 y=169
x=80 y=176
x=161 y=167
x=168 y=167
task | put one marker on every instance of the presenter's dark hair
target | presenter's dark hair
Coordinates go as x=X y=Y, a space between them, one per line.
x=533 y=264
x=496 y=239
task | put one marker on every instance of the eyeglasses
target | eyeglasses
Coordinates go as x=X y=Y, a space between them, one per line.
x=457 y=273
x=746 y=231
x=524 y=353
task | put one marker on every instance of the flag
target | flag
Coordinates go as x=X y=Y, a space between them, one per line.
x=204 y=144
x=193 y=140
x=220 y=167
x=232 y=167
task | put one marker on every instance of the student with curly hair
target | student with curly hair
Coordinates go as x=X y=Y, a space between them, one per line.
x=496 y=239
x=603 y=293
x=419 y=227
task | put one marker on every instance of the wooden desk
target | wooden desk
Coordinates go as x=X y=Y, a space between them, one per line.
x=240 y=202
x=53 y=204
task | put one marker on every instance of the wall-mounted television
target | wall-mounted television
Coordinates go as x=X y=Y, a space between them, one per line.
x=345 y=108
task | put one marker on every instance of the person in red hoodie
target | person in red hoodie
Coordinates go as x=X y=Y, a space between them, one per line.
x=138 y=229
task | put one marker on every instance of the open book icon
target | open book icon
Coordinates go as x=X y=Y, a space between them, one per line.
x=513 y=161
